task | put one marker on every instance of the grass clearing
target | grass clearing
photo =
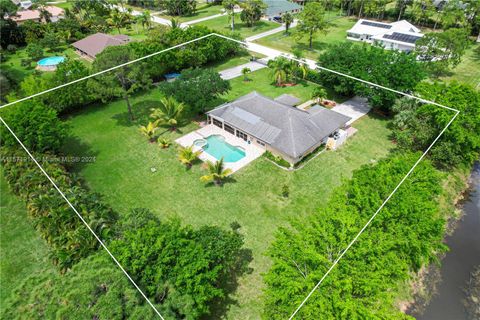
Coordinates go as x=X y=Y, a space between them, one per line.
x=288 y=42
x=22 y=251
x=124 y=158
x=468 y=71
x=202 y=12
x=222 y=24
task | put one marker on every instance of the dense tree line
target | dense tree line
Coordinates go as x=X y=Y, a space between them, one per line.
x=368 y=63
x=416 y=124
x=406 y=235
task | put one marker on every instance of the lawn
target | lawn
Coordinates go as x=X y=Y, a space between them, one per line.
x=287 y=43
x=124 y=158
x=13 y=64
x=468 y=71
x=223 y=24
x=202 y=12
x=22 y=251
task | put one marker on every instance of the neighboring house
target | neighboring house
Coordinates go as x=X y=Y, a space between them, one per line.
x=277 y=125
x=400 y=35
x=22 y=4
x=34 y=15
x=92 y=45
x=277 y=8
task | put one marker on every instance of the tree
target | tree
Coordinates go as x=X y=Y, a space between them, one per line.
x=216 y=172
x=169 y=112
x=229 y=6
x=287 y=18
x=282 y=70
x=180 y=268
x=442 y=50
x=312 y=20
x=187 y=156
x=149 y=130
x=120 y=82
x=50 y=40
x=417 y=125
x=117 y=19
x=319 y=94
x=36 y=125
x=401 y=5
x=368 y=63
x=252 y=11
x=245 y=72
x=179 y=7
x=196 y=88
x=396 y=245
x=145 y=19
x=34 y=51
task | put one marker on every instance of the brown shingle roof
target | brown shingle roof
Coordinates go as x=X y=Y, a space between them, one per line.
x=35 y=14
x=96 y=43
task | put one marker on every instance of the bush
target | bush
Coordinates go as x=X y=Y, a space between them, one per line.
x=277 y=159
x=57 y=223
x=35 y=125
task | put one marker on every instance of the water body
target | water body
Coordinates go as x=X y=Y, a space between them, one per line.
x=459 y=262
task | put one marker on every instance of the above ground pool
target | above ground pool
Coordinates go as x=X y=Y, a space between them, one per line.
x=218 y=148
x=50 y=61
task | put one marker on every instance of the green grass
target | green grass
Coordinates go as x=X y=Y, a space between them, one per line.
x=335 y=34
x=468 y=71
x=22 y=251
x=202 y=12
x=124 y=158
x=64 y=5
x=222 y=24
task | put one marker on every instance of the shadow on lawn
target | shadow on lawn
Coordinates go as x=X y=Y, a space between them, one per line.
x=141 y=111
x=220 y=306
x=80 y=151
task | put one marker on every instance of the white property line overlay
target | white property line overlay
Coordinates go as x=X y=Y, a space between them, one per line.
x=246 y=45
x=81 y=218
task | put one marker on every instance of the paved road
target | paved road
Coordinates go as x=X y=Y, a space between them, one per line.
x=270 y=32
x=235 y=72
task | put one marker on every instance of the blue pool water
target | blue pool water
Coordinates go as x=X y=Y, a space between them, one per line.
x=50 y=61
x=218 y=148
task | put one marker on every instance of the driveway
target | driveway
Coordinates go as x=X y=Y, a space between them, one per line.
x=234 y=72
x=354 y=108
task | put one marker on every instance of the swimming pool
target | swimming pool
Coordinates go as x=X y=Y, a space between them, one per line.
x=50 y=61
x=217 y=147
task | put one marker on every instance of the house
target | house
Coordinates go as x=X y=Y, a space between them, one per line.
x=92 y=45
x=399 y=35
x=56 y=14
x=276 y=125
x=24 y=5
x=276 y=8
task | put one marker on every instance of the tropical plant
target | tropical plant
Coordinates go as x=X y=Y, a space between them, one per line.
x=252 y=11
x=117 y=19
x=164 y=142
x=282 y=70
x=287 y=18
x=187 y=156
x=245 y=72
x=145 y=19
x=149 y=130
x=229 y=6
x=169 y=112
x=319 y=94
x=174 y=23
x=312 y=20
x=216 y=172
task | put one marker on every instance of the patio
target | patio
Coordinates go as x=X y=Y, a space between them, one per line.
x=252 y=151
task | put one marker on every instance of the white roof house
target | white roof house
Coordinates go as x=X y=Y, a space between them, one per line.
x=400 y=35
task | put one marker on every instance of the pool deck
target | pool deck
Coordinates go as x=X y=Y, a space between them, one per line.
x=252 y=151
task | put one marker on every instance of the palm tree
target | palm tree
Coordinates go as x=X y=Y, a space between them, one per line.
x=145 y=19
x=169 y=112
x=245 y=72
x=174 y=23
x=319 y=94
x=282 y=70
x=287 y=18
x=149 y=130
x=187 y=156
x=229 y=6
x=116 y=19
x=164 y=143
x=216 y=172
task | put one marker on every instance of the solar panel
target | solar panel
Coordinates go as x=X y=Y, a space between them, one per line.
x=402 y=37
x=376 y=24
